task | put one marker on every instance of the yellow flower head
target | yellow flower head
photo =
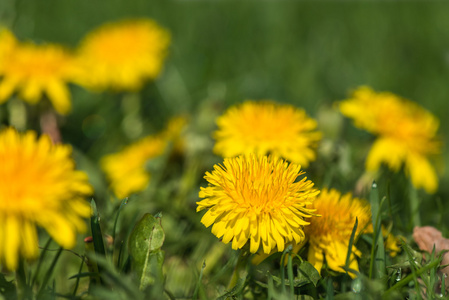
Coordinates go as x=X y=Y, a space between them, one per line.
x=122 y=55
x=126 y=170
x=38 y=186
x=267 y=128
x=329 y=234
x=257 y=198
x=406 y=134
x=34 y=70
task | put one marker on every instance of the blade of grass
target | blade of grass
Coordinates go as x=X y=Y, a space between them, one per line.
x=41 y=259
x=198 y=284
x=97 y=235
x=49 y=273
x=348 y=254
x=377 y=264
x=270 y=287
x=286 y=251
x=290 y=275
x=75 y=289
x=124 y=202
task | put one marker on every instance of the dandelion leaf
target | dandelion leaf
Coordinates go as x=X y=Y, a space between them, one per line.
x=307 y=273
x=145 y=244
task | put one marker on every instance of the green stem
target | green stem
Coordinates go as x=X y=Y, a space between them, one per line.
x=414 y=205
x=22 y=288
x=41 y=259
x=239 y=266
x=49 y=273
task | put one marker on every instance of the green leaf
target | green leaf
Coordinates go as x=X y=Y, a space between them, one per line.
x=307 y=272
x=97 y=235
x=144 y=246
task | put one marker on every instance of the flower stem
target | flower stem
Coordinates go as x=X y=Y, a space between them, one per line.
x=414 y=205
x=239 y=267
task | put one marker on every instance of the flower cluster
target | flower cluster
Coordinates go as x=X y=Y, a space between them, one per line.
x=406 y=134
x=255 y=197
x=117 y=56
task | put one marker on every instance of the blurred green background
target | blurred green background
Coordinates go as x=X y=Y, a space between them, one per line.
x=308 y=53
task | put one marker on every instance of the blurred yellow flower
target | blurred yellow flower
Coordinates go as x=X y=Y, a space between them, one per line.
x=38 y=186
x=267 y=128
x=35 y=70
x=406 y=134
x=173 y=133
x=122 y=55
x=126 y=170
x=257 y=199
x=329 y=234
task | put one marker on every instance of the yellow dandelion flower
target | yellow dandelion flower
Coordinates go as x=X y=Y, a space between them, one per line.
x=329 y=234
x=257 y=199
x=126 y=169
x=35 y=70
x=38 y=186
x=406 y=134
x=122 y=55
x=267 y=128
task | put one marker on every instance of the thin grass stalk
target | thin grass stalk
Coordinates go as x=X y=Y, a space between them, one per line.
x=270 y=287
x=377 y=264
x=348 y=254
x=41 y=259
x=198 y=284
x=75 y=289
x=286 y=251
x=22 y=288
x=49 y=273
x=414 y=205
x=290 y=276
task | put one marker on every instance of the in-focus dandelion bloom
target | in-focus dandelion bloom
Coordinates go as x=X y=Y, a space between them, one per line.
x=406 y=134
x=122 y=55
x=126 y=170
x=38 y=186
x=329 y=234
x=267 y=128
x=257 y=199
x=34 y=71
